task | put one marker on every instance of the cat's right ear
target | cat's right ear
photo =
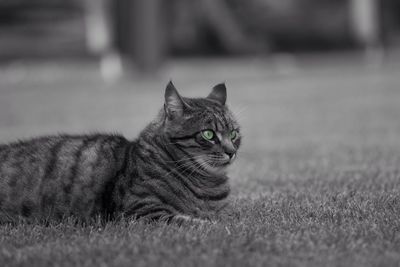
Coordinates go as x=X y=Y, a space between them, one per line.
x=218 y=94
x=174 y=104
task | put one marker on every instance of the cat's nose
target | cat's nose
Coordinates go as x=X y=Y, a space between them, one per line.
x=230 y=154
x=229 y=149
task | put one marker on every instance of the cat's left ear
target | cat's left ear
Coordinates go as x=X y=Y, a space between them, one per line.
x=174 y=104
x=218 y=93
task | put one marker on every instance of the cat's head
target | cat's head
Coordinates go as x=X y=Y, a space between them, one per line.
x=201 y=130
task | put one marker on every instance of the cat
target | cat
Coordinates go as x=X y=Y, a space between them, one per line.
x=175 y=170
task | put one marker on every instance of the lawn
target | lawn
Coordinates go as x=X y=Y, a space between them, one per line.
x=317 y=182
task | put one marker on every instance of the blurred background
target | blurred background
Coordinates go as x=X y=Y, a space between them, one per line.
x=149 y=32
x=302 y=75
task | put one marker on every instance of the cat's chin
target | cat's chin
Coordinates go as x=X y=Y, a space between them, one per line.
x=216 y=170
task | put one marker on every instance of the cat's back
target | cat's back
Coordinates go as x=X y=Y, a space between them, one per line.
x=49 y=151
x=58 y=173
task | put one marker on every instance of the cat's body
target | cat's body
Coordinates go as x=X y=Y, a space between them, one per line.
x=53 y=177
x=165 y=173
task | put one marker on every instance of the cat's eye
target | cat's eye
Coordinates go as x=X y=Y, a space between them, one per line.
x=207 y=134
x=233 y=135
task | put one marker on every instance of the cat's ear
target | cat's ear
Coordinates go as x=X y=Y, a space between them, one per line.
x=218 y=93
x=174 y=104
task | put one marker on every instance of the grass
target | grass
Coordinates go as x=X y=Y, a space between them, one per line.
x=317 y=182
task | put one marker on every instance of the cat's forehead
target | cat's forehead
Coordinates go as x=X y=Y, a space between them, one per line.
x=209 y=114
x=202 y=103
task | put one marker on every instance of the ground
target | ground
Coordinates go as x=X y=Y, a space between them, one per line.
x=316 y=183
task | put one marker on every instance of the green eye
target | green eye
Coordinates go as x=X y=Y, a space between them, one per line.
x=207 y=134
x=233 y=134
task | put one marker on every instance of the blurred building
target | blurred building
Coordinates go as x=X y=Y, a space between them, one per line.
x=41 y=28
x=149 y=30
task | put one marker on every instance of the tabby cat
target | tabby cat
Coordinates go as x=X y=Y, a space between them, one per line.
x=174 y=170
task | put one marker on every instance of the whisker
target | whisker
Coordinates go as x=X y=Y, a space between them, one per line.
x=184 y=159
x=184 y=166
x=197 y=168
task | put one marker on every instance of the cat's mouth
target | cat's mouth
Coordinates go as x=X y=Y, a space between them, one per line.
x=223 y=161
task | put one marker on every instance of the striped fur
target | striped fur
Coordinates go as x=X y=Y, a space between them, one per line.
x=169 y=172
